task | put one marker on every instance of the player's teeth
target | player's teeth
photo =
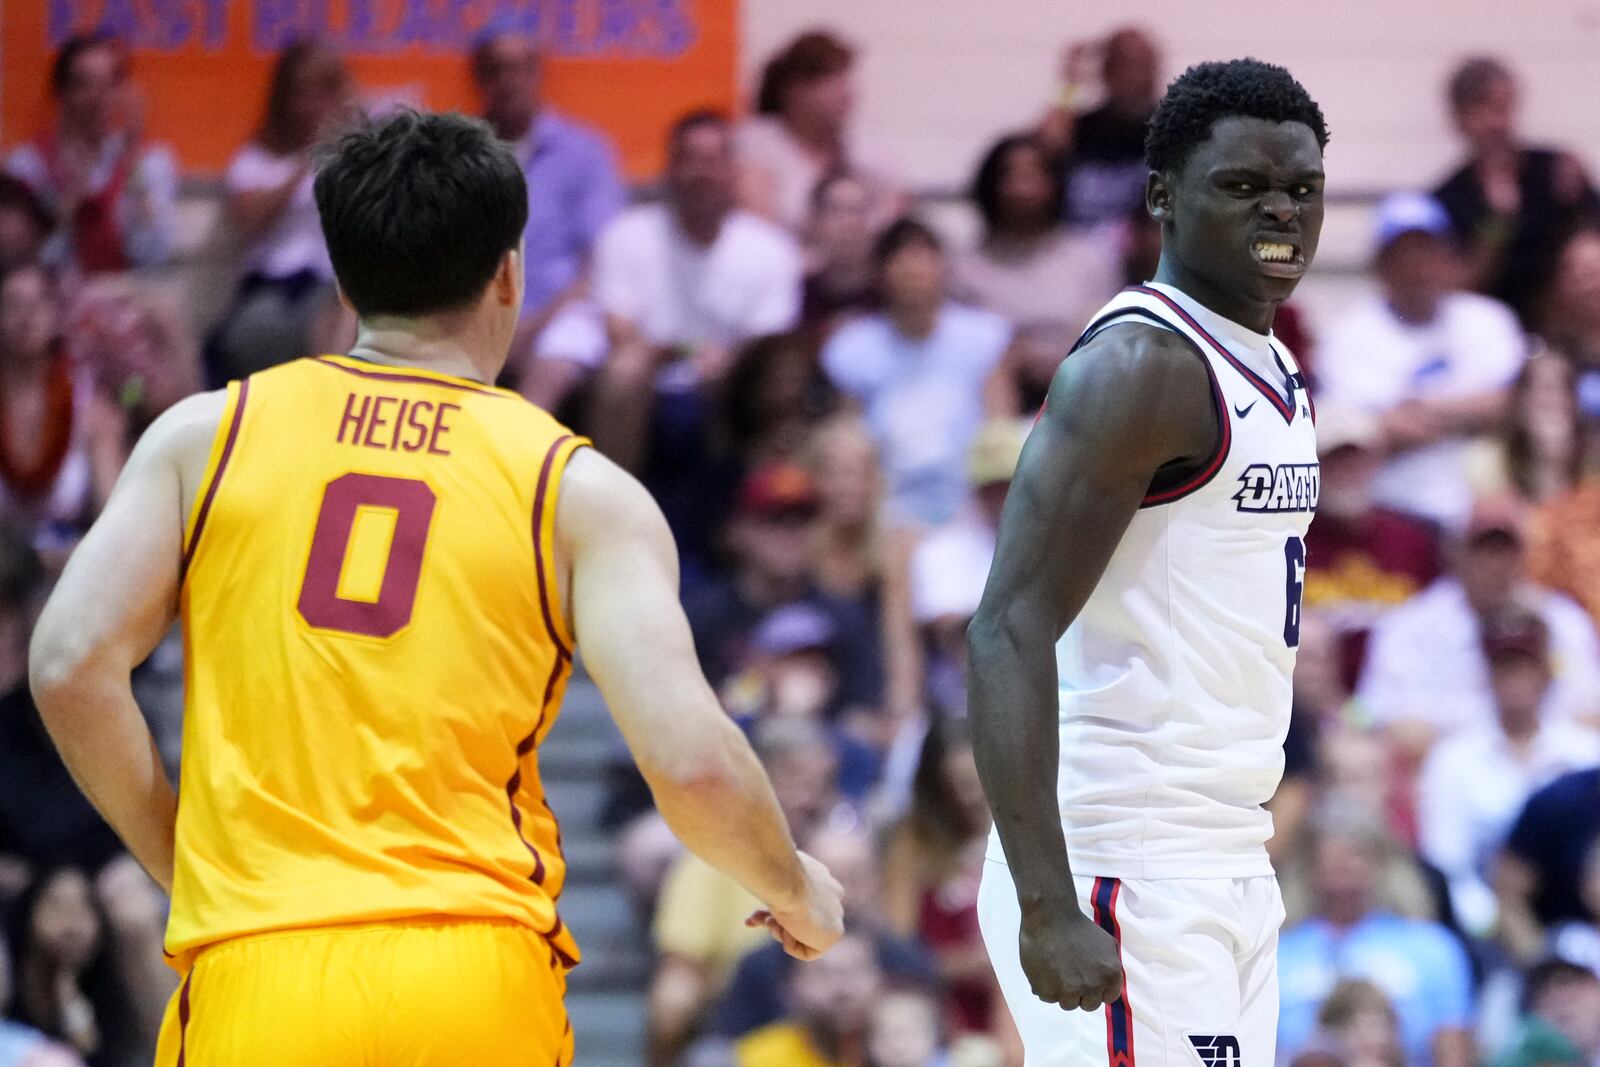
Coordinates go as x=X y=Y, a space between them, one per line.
x=1275 y=253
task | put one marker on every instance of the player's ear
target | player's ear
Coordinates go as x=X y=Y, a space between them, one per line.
x=508 y=277
x=344 y=300
x=1158 y=196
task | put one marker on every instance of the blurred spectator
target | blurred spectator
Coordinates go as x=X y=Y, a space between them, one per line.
x=1358 y=1024
x=831 y=1003
x=1047 y=280
x=62 y=441
x=1432 y=362
x=1316 y=726
x=754 y=997
x=285 y=305
x=25 y=224
x=1578 y=940
x=1538 y=453
x=1540 y=879
x=772 y=537
x=801 y=132
x=699 y=929
x=113 y=194
x=933 y=861
x=1419 y=965
x=1426 y=674
x=1561 y=1019
x=1564 y=543
x=135 y=340
x=682 y=283
x=924 y=371
x=840 y=281
x=905 y=1031
x=573 y=191
x=774 y=397
x=1570 y=322
x=23 y=1046
x=1474 y=783
x=45 y=820
x=1362 y=559
x=67 y=985
x=950 y=565
x=1509 y=204
x=1101 y=152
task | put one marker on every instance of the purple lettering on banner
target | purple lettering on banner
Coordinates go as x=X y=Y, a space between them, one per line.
x=119 y=19
x=416 y=23
x=276 y=24
x=617 y=26
x=361 y=35
x=170 y=26
x=63 y=16
x=566 y=31
x=676 y=27
x=216 y=23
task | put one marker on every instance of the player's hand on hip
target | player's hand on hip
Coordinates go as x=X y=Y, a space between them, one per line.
x=810 y=925
x=1070 y=961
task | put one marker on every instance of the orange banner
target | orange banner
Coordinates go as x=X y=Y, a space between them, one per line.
x=630 y=67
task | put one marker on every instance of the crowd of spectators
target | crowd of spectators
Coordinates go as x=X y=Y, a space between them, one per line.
x=828 y=396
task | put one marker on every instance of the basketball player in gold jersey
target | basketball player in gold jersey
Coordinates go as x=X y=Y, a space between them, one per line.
x=384 y=566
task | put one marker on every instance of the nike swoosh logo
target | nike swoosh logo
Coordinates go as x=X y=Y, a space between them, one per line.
x=1243 y=411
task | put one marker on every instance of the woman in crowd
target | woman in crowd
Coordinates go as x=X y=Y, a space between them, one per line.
x=773 y=396
x=801 y=132
x=62 y=440
x=1570 y=319
x=112 y=193
x=66 y=982
x=840 y=281
x=1048 y=280
x=925 y=371
x=1536 y=456
x=933 y=861
x=284 y=305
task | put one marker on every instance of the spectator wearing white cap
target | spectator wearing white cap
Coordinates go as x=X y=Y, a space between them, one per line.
x=1430 y=360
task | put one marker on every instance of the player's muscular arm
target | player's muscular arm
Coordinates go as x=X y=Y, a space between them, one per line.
x=116 y=598
x=623 y=591
x=1130 y=401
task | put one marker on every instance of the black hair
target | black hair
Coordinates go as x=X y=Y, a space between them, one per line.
x=934 y=817
x=1551 y=972
x=417 y=210
x=1209 y=92
x=18 y=194
x=812 y=55
x=985 y=189
x=1473 y=78
x=694 y=120
x=74 y=48
x=901 y=234
x=276 y=132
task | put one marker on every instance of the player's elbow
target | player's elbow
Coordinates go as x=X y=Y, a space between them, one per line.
x=59 y=664
x=701 y=766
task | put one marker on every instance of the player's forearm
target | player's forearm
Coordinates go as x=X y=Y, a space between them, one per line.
x=103 y=740
x=721 y=806
x=1011 y=698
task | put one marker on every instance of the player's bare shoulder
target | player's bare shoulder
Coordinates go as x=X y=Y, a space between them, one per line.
x=182 y=437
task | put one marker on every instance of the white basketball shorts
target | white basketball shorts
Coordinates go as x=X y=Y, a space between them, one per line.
x=1200 y=968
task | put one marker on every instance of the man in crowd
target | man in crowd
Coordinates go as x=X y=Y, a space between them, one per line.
x=1430 y=361
x=574 y=191
x=1426 y=676
x=1561 y=1018
x=1510 y=204
x=681 y=283
x=1419 y=965
x=1474 y=783
x=112 y=193
x=1542 y=875
x=1101 y=152
x=830 y=1012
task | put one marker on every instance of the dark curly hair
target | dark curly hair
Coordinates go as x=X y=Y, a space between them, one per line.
x=985 y=189
x=1207 y=92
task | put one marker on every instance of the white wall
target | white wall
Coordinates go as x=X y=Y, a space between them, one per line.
x=940 y=78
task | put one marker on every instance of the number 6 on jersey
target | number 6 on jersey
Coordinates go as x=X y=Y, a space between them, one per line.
x=1294 y=587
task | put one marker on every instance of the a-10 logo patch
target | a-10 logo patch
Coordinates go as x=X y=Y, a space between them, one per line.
x=1217 y=1050
x=1264 y=487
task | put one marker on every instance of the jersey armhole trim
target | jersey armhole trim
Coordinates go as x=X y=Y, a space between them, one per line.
x=222 y=446
x=1208 y=470
x=544 y=539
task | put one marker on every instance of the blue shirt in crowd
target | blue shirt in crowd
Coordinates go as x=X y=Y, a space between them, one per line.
x=573 y=191
x=1420 y=966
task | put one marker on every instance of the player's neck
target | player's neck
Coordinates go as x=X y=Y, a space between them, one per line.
x=1252 y=315
x=424 y=344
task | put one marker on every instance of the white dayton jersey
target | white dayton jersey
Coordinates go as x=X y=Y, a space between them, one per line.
x=1175 y=693
x=1176 y=675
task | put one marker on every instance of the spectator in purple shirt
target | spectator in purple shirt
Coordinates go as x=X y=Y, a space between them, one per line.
x=572 y=177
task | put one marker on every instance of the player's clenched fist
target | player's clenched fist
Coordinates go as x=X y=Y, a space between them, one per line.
x=1070 y=961
x=814 y=921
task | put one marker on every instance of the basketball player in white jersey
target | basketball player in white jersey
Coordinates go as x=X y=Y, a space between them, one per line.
x=1131 y=661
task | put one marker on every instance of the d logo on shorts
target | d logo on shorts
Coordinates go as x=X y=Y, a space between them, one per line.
x=1217 y=1050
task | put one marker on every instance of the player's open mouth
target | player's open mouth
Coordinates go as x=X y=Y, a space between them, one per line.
x=1279 y=258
